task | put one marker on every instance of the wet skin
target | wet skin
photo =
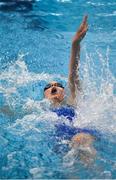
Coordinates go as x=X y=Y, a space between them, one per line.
x=55 y=94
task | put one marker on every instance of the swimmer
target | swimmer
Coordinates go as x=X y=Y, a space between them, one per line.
x=55 y=91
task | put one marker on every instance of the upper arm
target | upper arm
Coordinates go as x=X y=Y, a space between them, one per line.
x=73 y=78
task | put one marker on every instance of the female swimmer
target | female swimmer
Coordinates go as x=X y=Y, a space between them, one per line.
x=55 y=92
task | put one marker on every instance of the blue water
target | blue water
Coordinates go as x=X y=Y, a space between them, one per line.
x=34 y=49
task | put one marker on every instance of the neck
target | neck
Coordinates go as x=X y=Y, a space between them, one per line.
x=56 y=102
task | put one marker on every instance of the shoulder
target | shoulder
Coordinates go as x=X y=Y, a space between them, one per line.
x=72 y=101
x=68 y=101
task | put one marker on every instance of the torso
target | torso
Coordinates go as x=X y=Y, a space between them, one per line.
x=65 y=129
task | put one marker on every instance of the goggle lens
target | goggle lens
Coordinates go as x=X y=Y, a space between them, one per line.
x=50 y=85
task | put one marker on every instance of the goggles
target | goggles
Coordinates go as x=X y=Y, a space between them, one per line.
x=56 y=84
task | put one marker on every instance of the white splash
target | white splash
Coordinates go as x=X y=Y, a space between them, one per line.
x=17 y=75
x=96 y=106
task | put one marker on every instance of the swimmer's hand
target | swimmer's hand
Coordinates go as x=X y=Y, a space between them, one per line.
x=81 y=32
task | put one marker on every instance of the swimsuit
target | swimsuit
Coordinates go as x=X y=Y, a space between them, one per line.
x=67 y=130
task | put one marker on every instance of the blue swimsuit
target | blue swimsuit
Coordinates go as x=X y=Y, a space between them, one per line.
x=68 y=131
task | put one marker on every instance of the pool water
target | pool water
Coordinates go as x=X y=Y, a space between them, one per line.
x=35 y=49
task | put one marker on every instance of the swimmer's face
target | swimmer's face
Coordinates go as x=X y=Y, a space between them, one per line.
x=54 y=91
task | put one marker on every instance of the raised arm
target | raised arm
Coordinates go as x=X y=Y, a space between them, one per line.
x=75 y=58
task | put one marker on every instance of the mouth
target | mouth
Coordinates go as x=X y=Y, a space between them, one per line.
x=53 y=91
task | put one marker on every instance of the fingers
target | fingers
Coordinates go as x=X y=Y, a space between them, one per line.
x=84 y=23
x=85 y=19
x=85 y=28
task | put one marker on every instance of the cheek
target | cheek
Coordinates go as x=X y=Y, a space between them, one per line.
x=62 y=92
x=47 y=93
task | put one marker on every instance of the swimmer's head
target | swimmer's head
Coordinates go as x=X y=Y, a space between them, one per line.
x=54 y=91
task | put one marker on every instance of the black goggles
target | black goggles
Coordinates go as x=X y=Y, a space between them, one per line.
x=56 y=84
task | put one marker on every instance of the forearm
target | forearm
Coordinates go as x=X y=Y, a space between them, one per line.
x=75 y=51
x=74 y=60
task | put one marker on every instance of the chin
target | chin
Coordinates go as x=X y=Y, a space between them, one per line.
x=55 y=97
